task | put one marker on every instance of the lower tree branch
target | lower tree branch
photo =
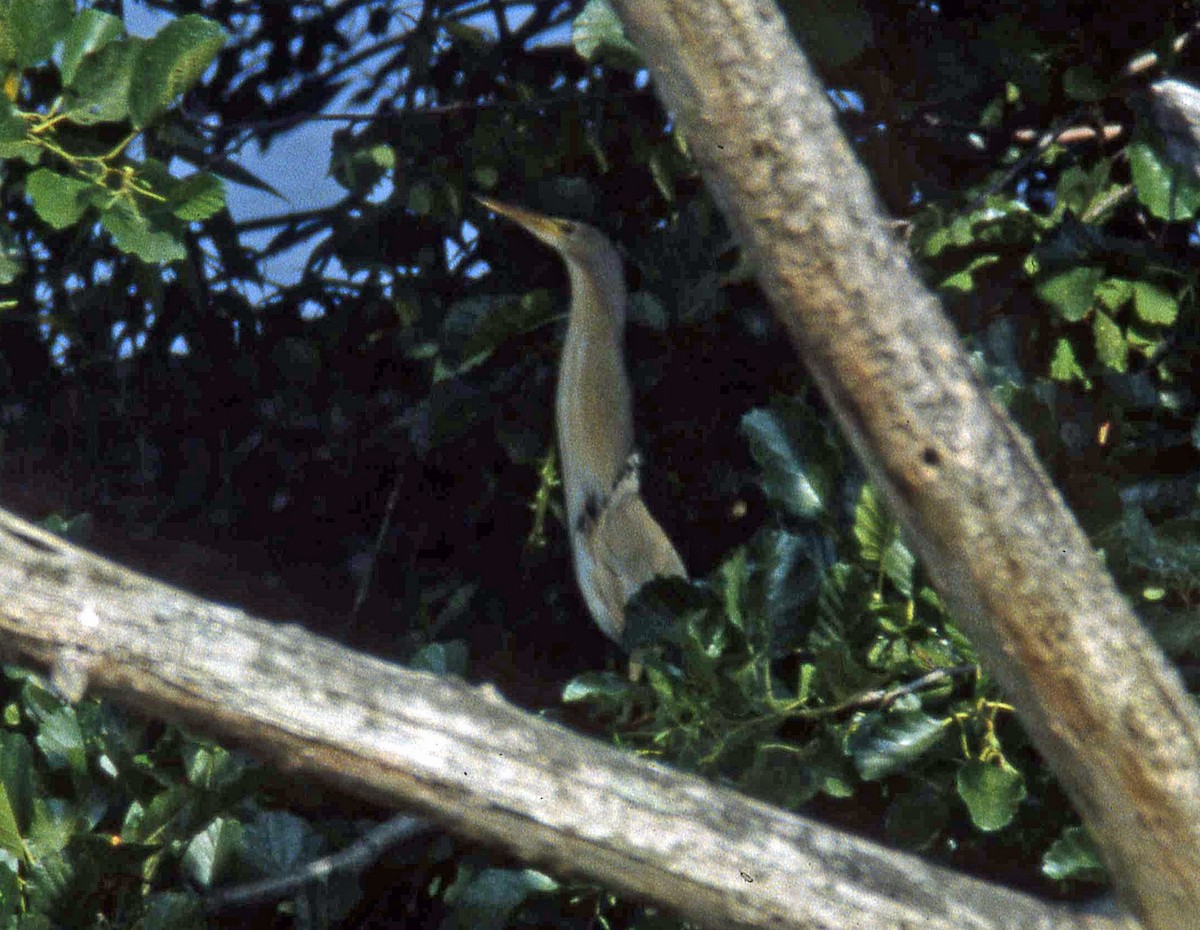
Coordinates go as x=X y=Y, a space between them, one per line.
x=470 y=760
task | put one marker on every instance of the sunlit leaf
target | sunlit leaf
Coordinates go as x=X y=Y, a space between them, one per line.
x=992 y=793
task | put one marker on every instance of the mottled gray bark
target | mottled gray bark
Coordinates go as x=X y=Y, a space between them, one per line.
x=1097 y=696
x=470 y=760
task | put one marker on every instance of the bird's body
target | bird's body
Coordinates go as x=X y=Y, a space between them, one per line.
x=618 y=546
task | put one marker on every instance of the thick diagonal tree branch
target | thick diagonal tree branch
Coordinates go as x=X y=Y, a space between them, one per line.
x=1096 y=695
x=469 y=759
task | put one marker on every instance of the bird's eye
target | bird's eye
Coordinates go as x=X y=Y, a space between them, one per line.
x=567 y=227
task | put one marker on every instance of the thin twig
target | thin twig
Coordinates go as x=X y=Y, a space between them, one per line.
x=354 y=858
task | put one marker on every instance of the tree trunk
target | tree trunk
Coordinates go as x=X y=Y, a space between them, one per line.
x=1097 y=696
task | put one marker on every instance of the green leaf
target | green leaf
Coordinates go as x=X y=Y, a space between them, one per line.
x=879 y=541
x=992 y=793
x=16 y=792
x=1064 y=367
x=278 y=842
x=788 y=570
x=362 y=168
x=36 y=26
x=61 y=741
x=12 y=126
x=598 y=36
x=99 y=91
x=884 y=742
x=1071 y=293
x=213 y=768
x=132 y=233
x=54 y=824
x=963 y=281
x=1167 y=191
x=196 y=197
x=1153 y=304
x=90 y=32
x=596 y=687
x=57 y=198
x=171 y=63
x=1073 y=856
x=1111 y=348
x=212 y=853
x=664 y=608
x=795 y=456
x=475 y=327
x=487 y=899
x=1114 y=293
x=10 y=898
x=445 y=658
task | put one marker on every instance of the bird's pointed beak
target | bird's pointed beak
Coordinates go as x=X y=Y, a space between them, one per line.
x=544 y=227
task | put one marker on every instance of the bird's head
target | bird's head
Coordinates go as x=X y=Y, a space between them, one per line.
x=592 y=260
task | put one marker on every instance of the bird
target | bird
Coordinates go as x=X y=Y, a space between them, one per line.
x=616 y=543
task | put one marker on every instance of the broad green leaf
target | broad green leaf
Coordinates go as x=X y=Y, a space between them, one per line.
x=603 y=687
x=1073 y=856
x=11 y=258
x=196 y=197
x=212 y=853
x=1114 y=293
x=211 y=768
x=171 y=63
x=884 y=742
x=963 y=281
x=1111 y=348
x=51 y=883
x=673 y=608
x=16 y=791
x=794 y=455
x=99 y=92
x=598 y=36
x=12 y=126
x=133 y=233
x=61 y=741
x=1153 y=304
x=279 y=842
x=36 y=26
x=54 y=824
x=487 y=899
x=13 y=132
x=1167 y=191
x=475 y=327
x=992 y=793
x=879 y=541
x=442 y=658
x=361 y=168
x=57 y=198
x=1064 y=366
x=787 y=576
x=90 y=32
x=1071 y=293
x=10 y=897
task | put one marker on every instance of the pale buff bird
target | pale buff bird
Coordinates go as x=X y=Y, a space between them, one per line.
x=617 y=544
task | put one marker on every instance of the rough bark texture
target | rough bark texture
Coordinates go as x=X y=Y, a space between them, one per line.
x=474 y=762
x=1096 y=695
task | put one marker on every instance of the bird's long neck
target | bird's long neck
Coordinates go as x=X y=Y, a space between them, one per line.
x=594 y=409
